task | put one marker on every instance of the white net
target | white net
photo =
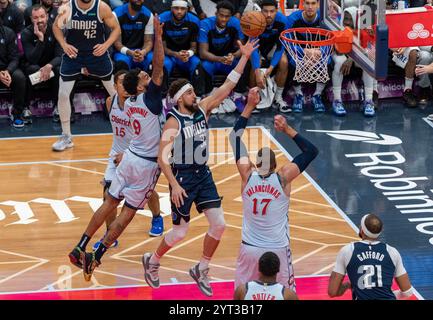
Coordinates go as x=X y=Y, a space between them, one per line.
x=310 y=50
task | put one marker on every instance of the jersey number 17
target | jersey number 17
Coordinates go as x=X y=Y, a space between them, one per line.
x=264 y=203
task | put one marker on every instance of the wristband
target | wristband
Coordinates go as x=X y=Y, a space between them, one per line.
x=191 y=53
x=124 y=50
x=234 y=76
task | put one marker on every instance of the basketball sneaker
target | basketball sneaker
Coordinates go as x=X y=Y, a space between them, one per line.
x=338 y=108
x=17 y=122
x=76 y=257
x=150 y=271
x=157 y=227
x=424 y=96
x=27 y=116
x=409 y=98
x=63 y=143
x=281 y=105
x=298 y=103
x=89 y=265
x=115 y=244
x=202 y=280
x=368 y=108
x=317 y=103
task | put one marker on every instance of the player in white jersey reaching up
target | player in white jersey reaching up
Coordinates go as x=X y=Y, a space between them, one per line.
x=138 y=172
x=122 y=135
x=266 y=286
x=266 y=197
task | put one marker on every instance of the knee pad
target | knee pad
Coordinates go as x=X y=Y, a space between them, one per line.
x=177 y=233
x=217 y=223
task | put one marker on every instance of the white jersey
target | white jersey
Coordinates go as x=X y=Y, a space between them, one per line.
x=265 y=208
x=122 y=133
x=146 y=127
x=264 y=291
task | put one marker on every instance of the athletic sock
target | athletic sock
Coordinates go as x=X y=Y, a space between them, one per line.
x=408 y=83
x=204 y=263
x=154 y=259
x=83 y=242
x=279 y=93
x=319 y=88
x=298 y=90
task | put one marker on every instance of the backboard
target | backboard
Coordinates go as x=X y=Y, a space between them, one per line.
x=367 y=19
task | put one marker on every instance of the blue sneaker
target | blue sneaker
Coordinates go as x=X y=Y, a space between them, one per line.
x=298 y=103
x=157 y=227
x=18 y=123
x=317 y=103
x=113 y=245
x=368 y=108
x=239 y=101
x=338 y=108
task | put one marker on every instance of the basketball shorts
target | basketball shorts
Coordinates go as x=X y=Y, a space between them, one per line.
x=135 y=180
x=99 y=67
x=247 y=268
x=110 y=171
x=201 y=190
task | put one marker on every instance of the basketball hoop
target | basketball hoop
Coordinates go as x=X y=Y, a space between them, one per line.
x=311 y=48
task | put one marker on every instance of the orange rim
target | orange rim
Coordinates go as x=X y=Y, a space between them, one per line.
x=316 y=31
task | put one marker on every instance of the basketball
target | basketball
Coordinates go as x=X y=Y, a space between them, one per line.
x=253 y=23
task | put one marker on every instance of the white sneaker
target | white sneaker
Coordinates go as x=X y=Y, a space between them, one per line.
x=63 y=143
x=281 y=105
x=430 y=117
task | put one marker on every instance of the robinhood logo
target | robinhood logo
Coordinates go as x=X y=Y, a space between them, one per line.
x=362 y=136
x=385 y=173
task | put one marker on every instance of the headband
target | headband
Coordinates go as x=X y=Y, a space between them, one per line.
x=179 y=3
x=365 y=230
x=181 y=91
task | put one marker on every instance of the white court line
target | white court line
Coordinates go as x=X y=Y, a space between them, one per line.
x=120 y=275
x=42 y=261
x=324 y=232
x=62 y=279
x=101 y=162
x=119 y=254
x=183 y=244
x=22 y=255
x=77 y=169
x=316 y=215
x=300 y=188
x=311 y=202
x=49 y=162
x=19 y=262
x=325 y=268
x=428 y=122
x=308 y=241
x=310 y=254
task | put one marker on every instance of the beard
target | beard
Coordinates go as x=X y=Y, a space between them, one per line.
x=192 y=108
x=135 y=6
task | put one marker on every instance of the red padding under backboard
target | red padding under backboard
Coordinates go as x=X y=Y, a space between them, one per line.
x=410 y=27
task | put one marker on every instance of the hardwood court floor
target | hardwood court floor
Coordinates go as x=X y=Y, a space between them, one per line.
x=47 y=198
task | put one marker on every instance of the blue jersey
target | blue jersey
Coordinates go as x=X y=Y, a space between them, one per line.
x=178 y=36
x=268 y=40
x=133 y=27
x=86 y=29
x=371 y=270
x=190 y=147
x=221 y=41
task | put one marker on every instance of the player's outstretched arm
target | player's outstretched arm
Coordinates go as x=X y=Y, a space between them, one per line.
x=222 y=92
x=336 y=287
x=301 y=161
x=169 y=133
x=158 y=52
x=245 y=166
x=240 y=293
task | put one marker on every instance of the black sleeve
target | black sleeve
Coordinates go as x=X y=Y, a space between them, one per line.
x=197 y=7
x=309 y=152
x=12 y=50
x=153 y=98
x=32 y=52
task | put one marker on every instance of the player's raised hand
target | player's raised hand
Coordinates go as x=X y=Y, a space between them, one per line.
x=253 y=98
x=177 y=195
x=248 y=48
x=157 y=26
x=281 y=125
